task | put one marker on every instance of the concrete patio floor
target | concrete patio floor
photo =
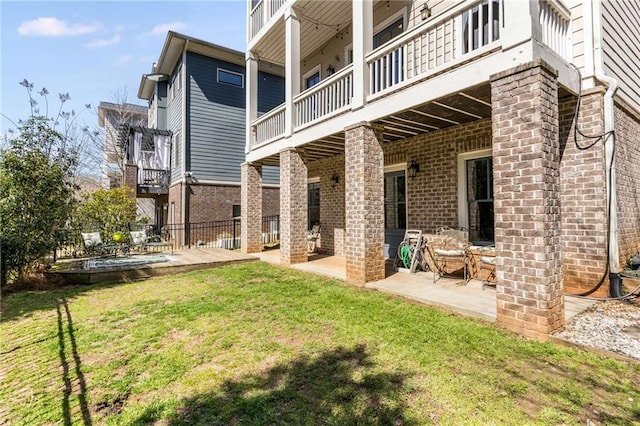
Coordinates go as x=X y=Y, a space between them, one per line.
x=449 y=293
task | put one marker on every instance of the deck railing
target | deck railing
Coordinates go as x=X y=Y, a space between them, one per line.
x=325 y=99
x=154 y=177
x=555 y=20
x=261 y=13
x=269 y=126
x=465 y=30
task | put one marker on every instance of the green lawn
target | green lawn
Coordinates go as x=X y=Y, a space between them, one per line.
x=256 y=344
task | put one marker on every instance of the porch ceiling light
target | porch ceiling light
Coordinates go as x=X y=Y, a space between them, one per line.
x=334 y=180
x=425 y=12
x=414 y=168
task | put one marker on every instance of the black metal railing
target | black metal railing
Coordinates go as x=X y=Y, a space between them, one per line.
x=154 y=177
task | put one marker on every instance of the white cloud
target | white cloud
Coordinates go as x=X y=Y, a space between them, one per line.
x=103 y=42
x=162 y=29
x=54 y=27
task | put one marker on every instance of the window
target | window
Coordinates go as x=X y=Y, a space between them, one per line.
x=395 y=200
x=313 y=212
x=312 y=77
x=175 y=154
x=236 y=210
x=231 y=78
x=388 y=33
x=479 y=198
x=348 y=54
x=176 y=83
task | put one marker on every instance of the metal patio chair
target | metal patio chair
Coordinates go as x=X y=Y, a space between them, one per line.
x=449 y=252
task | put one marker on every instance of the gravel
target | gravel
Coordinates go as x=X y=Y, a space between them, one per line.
x=611 y=325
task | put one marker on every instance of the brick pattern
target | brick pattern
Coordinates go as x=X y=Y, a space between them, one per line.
x=583 y=195
x=251 y=225
x=131 y=179
x=627 y=127
x=364 y=200
x=293 y=208
x=331 y=204
x=526 y=153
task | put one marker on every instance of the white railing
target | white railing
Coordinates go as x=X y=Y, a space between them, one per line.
x=325 y=99
x=463 y=31
x=555 y=20
x=269 y=126
x=261 y=13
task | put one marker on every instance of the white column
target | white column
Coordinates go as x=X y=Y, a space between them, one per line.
x=362 y=45
x=251 y=97
x=292 y=67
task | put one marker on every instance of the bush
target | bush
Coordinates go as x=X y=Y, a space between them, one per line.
x=108 y=211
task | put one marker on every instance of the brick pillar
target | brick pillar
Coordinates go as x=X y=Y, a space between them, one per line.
x=293 y=208
x=526 y=161
x=364 y=203
x=251 y=207
x=130 y=179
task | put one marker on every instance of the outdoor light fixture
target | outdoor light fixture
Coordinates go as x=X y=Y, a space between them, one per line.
x=334 y=180
x=425 y=12
x=330 y=69
x=414 y=168
x=157 y=76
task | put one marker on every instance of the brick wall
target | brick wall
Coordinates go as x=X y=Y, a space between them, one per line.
x=131 y=178
x=627 y=127
x=331 y=204
x=251 y=195
x=270 y=201
x=293 y=204
x=364 y=201
x=209 y=203
x=526 y=163
x=583 y=194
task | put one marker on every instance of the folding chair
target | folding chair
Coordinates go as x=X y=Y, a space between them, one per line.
x=312 y=238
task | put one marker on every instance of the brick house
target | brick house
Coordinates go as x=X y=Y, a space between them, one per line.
x=481 y=98
x=196 y=94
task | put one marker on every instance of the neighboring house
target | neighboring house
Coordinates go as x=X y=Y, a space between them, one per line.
x=196 y=92
x=111 y=117
x=418 y=114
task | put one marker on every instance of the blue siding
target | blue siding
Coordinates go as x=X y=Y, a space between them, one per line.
x=174 y=124
x=216 y=121
x=270 y=92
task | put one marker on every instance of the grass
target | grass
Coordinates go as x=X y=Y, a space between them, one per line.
x=256 y=344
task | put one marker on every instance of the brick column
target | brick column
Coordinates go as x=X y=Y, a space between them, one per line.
x=364 y=203
x=293 y=208
x=526 y=160
x=130 y=179
x=251 y=208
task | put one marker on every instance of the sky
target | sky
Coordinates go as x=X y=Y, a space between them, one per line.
x=97 y=50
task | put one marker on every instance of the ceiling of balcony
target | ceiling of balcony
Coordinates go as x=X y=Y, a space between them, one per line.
x=319 y=22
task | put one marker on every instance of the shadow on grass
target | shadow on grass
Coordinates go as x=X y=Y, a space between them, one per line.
x=338 y=387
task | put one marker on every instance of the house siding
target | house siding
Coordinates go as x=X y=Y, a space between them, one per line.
x=174 y=122
x=216 y=114
x=621 y=47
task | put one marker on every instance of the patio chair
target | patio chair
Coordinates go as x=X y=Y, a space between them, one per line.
x=312 y=238
x=449 y=252
x=93 y=244
x=488 y=262
x=141 y=239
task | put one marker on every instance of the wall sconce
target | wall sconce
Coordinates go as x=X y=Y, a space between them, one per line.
x=414 y=168
x=425 y=12
x=334 y=180
x=330 y=69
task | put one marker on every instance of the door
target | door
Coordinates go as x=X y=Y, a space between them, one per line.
x=395 y=211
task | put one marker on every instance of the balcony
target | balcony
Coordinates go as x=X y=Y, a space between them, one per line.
x=153 y=181
x=262 y=11
x=469 y=36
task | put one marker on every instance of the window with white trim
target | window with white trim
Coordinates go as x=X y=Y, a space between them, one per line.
x=475 y=186
x=230 y=77
x=311 y=77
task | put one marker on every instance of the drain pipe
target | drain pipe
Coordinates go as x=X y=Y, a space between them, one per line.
x=615 y=282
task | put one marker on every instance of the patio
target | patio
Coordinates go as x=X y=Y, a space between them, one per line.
x=448 y=293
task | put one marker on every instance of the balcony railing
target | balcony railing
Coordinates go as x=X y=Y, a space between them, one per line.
x=154 y=178
x=462 y=32
x=270 y=126
x=555 y=21
x=261 y=13
x=325 y=99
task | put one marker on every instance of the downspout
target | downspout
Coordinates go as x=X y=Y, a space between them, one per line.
x=615 y=282
x=186 y=135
